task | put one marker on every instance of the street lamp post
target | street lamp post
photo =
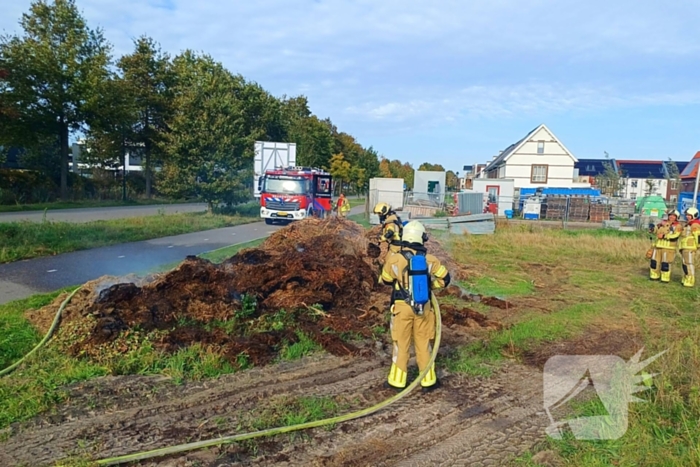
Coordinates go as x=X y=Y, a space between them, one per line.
x=697 y=179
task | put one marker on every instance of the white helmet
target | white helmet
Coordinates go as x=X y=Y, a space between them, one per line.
x=414 y=232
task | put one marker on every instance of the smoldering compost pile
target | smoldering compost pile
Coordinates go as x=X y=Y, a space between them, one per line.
x=323 y=273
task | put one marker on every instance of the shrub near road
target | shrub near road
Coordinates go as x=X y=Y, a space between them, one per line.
x=24 y=240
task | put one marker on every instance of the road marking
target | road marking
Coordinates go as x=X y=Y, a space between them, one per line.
x=120 y=256
x=52 y=270
x=171 y=246
x=206 y=239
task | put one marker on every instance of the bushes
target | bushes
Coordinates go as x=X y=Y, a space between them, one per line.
x=25 y=186
x=31 y=186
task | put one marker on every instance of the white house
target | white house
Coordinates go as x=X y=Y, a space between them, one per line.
x=537 y=160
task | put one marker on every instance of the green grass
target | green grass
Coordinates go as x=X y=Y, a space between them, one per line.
x=481 y=358
x=222 y=254
x=89 y=204
x=576 y=283
x=360 y=219
x=304 y=346
x=24 y=240
x=293 y=411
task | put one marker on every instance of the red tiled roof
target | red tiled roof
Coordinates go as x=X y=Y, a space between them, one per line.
x=691 y=170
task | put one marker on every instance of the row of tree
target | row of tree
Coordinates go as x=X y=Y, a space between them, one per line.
x=187 y=114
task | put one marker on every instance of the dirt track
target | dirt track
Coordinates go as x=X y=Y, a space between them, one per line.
x=468 y=422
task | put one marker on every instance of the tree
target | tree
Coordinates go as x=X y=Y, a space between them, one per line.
x=210 y=143
x=50 y=73
x=427 y=166
x=114 y=115
x=610 y=181
x=147 y=74
x=650 y=185
x=341 y=171
x=674 y=175
x=452 y=180
x=384 y=168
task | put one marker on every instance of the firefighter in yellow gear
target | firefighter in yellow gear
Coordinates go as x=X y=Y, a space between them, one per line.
x=667 y=234
x=688 y=245
x=409 y=322
x=343 y=206
x=392 y=227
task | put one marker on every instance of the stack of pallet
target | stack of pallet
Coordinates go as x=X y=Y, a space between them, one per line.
x=555 y=207
x=599 y=212
x=578 y=208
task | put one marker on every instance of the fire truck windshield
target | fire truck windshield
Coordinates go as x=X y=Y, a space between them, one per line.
x=292 y=186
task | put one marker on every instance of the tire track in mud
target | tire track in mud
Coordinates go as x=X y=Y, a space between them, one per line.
x=466 y=422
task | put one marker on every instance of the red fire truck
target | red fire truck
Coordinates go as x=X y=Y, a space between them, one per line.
x=295 y=193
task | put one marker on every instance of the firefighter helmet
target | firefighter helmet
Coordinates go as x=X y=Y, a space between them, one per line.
x=673 y=212
x=692 y=212
x=414 y=232
x=382 y=209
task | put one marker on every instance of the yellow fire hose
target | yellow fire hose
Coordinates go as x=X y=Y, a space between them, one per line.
x=48 y=335
x=255 y=434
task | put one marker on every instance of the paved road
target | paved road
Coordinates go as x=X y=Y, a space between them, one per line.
x=98 y=214
x=25 y=278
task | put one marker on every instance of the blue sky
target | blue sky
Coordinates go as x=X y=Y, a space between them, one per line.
x=450 y=82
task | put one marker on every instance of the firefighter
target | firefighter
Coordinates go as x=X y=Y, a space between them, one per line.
x=664 y=252
x=688 y=245
x=343 y=206
x=392 y=227
x=412 y=318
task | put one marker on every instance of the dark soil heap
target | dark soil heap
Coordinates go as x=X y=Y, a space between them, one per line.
x=322 y=273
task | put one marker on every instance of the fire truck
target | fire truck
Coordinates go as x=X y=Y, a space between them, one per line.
x=295 y=193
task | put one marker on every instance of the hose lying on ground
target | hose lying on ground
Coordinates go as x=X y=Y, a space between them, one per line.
x=286 y=429
x=255 y=434
x=48 y=335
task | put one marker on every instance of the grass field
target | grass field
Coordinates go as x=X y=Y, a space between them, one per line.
x=576 y=291
x=589 y=292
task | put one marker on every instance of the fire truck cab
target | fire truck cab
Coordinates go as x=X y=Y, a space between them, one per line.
x=295 y=193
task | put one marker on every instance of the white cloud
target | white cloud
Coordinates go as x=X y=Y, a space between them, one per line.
x=496 y=102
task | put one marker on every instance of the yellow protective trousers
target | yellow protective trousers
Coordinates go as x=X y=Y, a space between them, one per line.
x=406 y=326
x=688 y=267
x=660 y=264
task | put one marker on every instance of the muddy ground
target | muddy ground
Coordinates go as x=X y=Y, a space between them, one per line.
x=469 y=421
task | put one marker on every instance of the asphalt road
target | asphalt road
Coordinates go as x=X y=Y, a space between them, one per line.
x=22 y=279
x=98 y=214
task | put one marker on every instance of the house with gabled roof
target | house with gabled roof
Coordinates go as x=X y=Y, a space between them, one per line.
x=539 y=159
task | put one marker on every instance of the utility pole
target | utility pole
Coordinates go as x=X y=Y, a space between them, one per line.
x=123 y=169
x=697 y=179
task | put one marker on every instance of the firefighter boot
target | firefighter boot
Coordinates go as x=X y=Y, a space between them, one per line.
x=397 y=377
x=665 y=272
x=653 y=274
x=430 y=382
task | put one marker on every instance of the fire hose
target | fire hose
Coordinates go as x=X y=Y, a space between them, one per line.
x=169 y=450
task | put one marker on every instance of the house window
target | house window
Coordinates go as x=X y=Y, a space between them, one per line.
x=633 y=196
x=674 y=184
x=634 y=183
x=673 y=199
x=539 y=174
x=540 y=147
